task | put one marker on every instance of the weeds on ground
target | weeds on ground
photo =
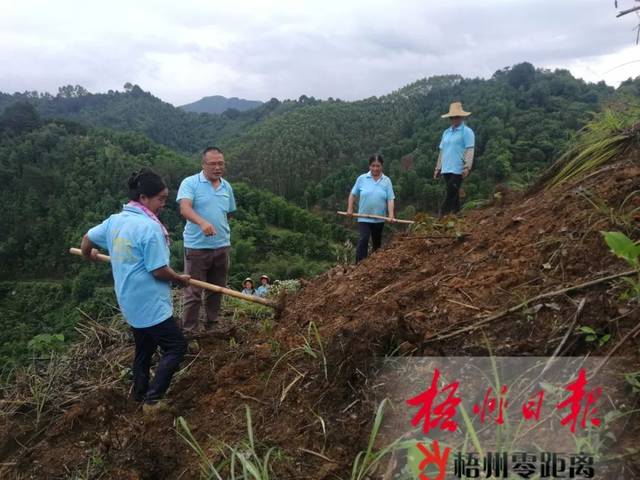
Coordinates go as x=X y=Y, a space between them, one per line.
x=243 y=461
x=446 y=227
x=266 y=327
x=633 y=379
x=307 y=348
x=623 y=217
x=593 y=336
x=596 y=440
x=92 y=470
x=283 y=287
x=344 y=253
x=45 y=344
x=368 y=462
x=42 y=385
x=625 y=248
x=50 y=383
x=237 y=309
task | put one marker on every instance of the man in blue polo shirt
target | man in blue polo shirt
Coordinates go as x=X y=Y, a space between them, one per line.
x=206 y=202
x=455 y=158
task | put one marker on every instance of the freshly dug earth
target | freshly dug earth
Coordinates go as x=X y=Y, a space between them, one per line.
x=316 y=404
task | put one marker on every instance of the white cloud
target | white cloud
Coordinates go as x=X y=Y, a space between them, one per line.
x=181 y=51
x=612 y=68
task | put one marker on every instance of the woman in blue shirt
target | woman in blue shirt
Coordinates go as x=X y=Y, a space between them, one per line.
x=375 y=197
x=139 y=248
x=455 y=158
x=264 y=287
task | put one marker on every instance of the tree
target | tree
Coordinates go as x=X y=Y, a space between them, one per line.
x=521 y=75
x=20 y=117
x=71 y=91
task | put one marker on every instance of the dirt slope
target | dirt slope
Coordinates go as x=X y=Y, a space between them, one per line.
x=396 y=302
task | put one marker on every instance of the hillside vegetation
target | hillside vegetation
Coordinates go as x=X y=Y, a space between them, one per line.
x=302 y=395
x=310 y=151
x=60 y=178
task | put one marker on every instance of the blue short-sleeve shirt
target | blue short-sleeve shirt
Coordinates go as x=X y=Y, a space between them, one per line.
x=452 y=146
x=137 y=247
x=262 y=291
x=373 y=196
x=212 y=204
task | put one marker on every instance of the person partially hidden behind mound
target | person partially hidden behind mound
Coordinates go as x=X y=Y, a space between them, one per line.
x=139 y=247
x=247 y=287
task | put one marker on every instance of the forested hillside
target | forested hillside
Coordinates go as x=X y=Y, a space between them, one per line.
x=60 y=178
x=522 y=118
x=63 y=161
x=139 y=111
x=310 y=151
x=313 y=391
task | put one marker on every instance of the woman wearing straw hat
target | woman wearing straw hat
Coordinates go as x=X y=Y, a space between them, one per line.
x=264 y=287
x=247 y=286
x=455 y=158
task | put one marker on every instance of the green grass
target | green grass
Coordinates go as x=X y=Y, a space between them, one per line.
x=243 y=461
x=307 y=348
x=237 y=308
x=367 y=461
x=606 y=138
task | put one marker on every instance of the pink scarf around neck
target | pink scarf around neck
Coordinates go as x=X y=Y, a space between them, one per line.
x=152 y=216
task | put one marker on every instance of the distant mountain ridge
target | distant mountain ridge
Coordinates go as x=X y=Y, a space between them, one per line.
x=219 y=104
x=310 y=151
x=136 y=110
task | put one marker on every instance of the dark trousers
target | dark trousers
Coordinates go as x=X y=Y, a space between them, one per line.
x=368 y=230
x=451 y=202
x=209 y=265
x=169 y=338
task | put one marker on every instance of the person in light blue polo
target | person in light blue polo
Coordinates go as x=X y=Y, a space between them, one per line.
x=264 y=287
x=206 y=202
x=455 y=158
x=139 y=248
x=375 y=197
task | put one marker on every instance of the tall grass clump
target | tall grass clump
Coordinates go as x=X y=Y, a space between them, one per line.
x=607 y=137
x=241 y=462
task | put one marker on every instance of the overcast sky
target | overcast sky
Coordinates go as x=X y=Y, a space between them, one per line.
x=258 y=49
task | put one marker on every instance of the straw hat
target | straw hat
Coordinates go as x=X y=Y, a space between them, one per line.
x=455 y=110
x=265 y=276
x=248 y=279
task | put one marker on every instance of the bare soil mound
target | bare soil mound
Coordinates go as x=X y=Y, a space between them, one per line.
x=308 y=375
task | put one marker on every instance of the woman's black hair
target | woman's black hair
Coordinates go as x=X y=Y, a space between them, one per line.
x=145 y=182
x=376 y=158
